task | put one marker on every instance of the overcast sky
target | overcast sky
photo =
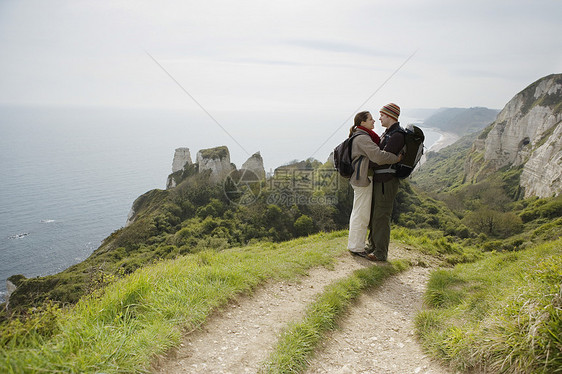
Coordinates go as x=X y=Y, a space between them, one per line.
x=317 y=56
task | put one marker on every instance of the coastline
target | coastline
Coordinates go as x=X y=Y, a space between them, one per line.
x=446 y=139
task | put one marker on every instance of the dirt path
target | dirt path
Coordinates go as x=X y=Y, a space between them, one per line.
x=377 y=336
x=241 y=336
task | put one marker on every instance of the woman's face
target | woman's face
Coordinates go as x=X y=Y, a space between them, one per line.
x=369 y=123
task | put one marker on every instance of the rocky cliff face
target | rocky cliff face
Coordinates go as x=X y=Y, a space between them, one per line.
x=217 y=160
x=182 y=157
x=527 y=133
x=255 y=164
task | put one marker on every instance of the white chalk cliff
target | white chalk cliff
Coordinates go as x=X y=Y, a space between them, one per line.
x=182 y=157
x=527 y=133
x=217 y=160
x=255 y=164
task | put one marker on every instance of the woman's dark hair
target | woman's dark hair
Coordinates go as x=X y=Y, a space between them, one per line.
x=359 y=117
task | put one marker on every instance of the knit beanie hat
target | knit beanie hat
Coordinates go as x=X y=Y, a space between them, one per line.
x=391 y=110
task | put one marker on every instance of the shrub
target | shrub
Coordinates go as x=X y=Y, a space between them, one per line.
x=35 y=324
x=304 y=225
x=542 y=208
x=494 y=245
x=494 y=223
x=183 y=236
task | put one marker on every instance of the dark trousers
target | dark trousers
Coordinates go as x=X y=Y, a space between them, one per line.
x=381 y=212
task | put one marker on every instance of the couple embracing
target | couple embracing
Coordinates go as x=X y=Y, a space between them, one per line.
x=374 y=185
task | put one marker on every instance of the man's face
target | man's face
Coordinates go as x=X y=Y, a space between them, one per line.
x=386 y=120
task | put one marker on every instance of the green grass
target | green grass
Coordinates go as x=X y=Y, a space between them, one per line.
x=500 y=314
x=435 y=244
x=124 y=326
x=300 y=339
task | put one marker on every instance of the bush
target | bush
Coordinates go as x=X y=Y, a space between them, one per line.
x=494 y=223
x=34 y=324
x=215 y=208
x=494 y=245
x=542 y=208
x=183 y=236
x=304 y=225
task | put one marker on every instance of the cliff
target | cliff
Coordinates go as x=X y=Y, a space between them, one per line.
x=217 y=160
x=182 y=157
x=526 y=134
x=255 y=164
x=182 y=160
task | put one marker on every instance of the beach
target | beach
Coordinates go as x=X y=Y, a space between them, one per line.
x=446 y=139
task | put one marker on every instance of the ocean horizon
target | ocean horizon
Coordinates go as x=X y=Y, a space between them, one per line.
x=70 y=175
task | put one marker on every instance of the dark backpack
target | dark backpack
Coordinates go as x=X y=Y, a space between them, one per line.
x=342 y=157
x=413 y=151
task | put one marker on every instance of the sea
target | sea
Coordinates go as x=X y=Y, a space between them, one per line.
x=69 y=175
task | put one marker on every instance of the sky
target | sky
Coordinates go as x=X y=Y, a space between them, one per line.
x=297 y=68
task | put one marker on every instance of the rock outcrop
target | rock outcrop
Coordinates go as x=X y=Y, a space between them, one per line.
x=217 y=160
x=542 y=174
x=527 y=133
x=214 y=160
x=255 y=164
x=10 y=288
x=182 y=157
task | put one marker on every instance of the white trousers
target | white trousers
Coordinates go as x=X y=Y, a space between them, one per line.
x=359 y=219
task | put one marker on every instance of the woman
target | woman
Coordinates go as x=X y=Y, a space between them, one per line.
x=364 y=149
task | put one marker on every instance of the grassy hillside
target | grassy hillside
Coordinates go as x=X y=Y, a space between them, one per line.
x=444 y=170
x=502 y=314
x=490 y=211
x=122 y=327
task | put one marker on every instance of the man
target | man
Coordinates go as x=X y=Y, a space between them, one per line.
x=385 y=185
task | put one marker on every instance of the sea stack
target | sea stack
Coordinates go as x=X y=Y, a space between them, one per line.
x=255 y=164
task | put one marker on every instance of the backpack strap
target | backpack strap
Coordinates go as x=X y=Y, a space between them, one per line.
x=398 y=129
x=357 y=166
x=357 y=163
x=385 y=171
